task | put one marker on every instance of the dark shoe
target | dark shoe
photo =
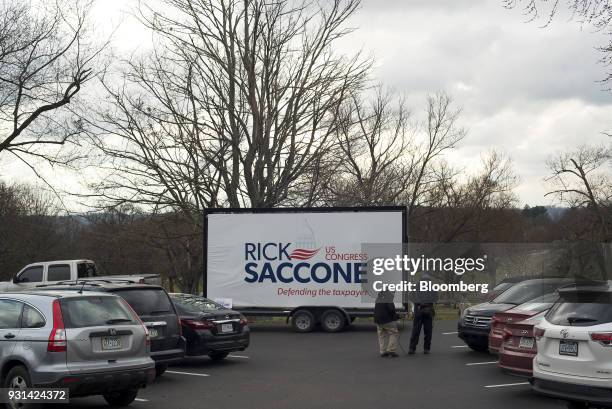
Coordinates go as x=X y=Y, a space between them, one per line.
x=427 y=352
x=392 y=354
x=411 y=352
x=384 y=355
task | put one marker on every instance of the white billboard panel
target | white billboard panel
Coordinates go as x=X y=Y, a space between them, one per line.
x=294 y=259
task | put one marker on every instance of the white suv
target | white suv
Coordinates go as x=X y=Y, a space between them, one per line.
x=574 y=360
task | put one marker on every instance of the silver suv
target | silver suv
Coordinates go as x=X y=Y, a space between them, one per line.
x=91 y=343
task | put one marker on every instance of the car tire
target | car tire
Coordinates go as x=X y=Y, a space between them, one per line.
x=303 y=321
x=333 y=321
x=160 y=369
x=218 y=356
x=18 y=377
x=478 y=347
x=121 y=398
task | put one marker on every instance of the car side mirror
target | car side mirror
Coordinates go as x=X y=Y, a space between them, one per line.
x=15 y=280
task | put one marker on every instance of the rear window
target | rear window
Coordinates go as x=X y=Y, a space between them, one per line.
x=147 y=301
x=581 y=310
x=95 y=311
x=524 y=292
x=86 y=270
x=195 y=304
x=539 y=304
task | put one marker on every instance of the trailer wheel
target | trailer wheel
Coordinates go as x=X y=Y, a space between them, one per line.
x=303 y=321
x=333 y=321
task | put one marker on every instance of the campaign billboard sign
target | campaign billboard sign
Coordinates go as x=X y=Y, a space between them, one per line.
x=297 y=258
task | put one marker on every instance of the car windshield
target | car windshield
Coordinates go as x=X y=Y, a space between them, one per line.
x=95 y=311
x=147 y=301
x=526 y=291
x=192 y=304
x=581 y=310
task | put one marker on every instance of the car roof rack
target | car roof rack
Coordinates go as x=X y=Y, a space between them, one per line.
x=64 y=283
x=97 y=282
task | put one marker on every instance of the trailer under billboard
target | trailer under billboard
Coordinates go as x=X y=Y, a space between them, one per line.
x=305 y=264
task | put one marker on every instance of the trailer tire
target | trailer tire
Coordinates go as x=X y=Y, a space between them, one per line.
x=303 y=321
x=333 y=321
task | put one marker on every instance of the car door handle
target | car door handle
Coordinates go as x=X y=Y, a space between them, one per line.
x=9 y=336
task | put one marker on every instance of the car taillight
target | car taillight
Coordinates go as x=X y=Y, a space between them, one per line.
x=243 y=321
x=507 y=334
x=197 y=324
x=603 y=338
x=135 y=315
x=57 y=338
x=538 y=332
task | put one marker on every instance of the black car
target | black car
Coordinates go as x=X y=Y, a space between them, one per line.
x=475 y=323
x=210 y=328
x=153 y=306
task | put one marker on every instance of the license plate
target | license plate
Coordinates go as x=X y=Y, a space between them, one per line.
x=526 y=342
x=568 y=347
x=111 y=343
x=227 y=328
x=153 y=332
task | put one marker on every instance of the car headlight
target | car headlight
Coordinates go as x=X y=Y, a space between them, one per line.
x=464 y=313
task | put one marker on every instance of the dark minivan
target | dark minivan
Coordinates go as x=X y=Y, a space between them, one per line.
x=153 y=306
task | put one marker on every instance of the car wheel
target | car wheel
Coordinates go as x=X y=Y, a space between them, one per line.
x=333 y=321
x=121 y=398
x=303 y=321
x=218 y=356
x=160 y=369
x=18 y=378
x=478 y=347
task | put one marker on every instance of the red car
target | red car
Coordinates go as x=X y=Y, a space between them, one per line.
x=519 y=313
x=519 y=347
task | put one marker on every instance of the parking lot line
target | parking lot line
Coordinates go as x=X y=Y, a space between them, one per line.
x=450 y=333
x=141 y=400
x=481 y=363
x=507 y=384
x=459 y=346
x=238 y=356
x=188 y=373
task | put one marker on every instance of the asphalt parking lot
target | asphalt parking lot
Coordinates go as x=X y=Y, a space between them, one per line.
x=283 y=369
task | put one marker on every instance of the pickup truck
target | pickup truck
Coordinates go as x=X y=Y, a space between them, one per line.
x=52 y=272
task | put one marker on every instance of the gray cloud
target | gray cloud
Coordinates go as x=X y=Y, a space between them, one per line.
x=526 y=91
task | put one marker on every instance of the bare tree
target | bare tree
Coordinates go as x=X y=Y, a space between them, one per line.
x=386 y=159
x=235 y=105
x=373 y=140
x=581 y=178
x=467 y=208
x=45 y=59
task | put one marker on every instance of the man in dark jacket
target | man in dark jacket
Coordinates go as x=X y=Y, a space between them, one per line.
x=424 y=302
x=386 y=318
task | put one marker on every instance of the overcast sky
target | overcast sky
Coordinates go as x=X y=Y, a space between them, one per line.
x=526 y=91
